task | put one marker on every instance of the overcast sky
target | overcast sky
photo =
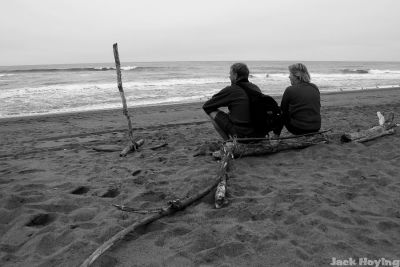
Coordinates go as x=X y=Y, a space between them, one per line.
x=80 y=31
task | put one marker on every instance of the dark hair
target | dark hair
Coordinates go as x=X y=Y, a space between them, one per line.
x=241 y=70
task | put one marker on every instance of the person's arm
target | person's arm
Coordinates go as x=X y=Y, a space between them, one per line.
x=221 y=99
x=285 y=105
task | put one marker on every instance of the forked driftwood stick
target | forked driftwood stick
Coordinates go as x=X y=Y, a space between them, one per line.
x=132 y=144
x=174 y=206
x=386 y=127
x=227 y=156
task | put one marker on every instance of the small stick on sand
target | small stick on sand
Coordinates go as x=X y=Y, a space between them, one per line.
x=132 y=145
x=159 y=146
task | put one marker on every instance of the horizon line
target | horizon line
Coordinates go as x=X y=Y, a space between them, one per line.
x=164 y=61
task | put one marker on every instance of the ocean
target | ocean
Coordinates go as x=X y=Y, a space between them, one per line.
x=47 y=89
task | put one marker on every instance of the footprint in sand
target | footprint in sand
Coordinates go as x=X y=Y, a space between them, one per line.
x=27 y=171
x=41 y=219
x=151 y=196
x=110 y=193
x=385 y=226
x=80 y=190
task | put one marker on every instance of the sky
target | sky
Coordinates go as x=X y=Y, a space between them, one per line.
x=83 y=31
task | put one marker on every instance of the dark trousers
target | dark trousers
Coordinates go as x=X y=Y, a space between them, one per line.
x=230 y=129
x=296 y=131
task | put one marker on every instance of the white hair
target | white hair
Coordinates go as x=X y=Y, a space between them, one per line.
x=299 y=70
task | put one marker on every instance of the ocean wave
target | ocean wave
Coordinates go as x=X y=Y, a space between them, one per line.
x=85 y=69
x=259 y=75
x=355 y=71
x=375 y=71
x=64 y=89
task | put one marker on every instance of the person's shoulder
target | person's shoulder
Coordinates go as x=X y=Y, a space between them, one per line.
x=290 y=88
x=250 y=85
x=313 y=85
x=226 y=88
x=255 y=87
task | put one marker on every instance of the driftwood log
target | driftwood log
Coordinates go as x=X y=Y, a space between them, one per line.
x=386 y=127
x=227 y=156
x=265 y=146
x=174 y=206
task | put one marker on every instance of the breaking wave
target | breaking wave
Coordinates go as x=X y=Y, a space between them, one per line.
x=86 y=69
x=355 y=71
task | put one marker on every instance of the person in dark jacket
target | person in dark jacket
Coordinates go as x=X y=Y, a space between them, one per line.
x=237 y=121
x=301 y=102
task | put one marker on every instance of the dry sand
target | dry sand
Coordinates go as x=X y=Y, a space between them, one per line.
x=293 y=208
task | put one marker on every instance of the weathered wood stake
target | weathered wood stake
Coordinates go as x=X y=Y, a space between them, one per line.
x=132 y=144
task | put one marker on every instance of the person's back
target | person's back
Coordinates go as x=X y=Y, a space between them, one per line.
x=301 y=102
x=237 y=122
x=235 y=99
x=265 y=114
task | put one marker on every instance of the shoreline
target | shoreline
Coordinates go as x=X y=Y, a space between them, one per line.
x=168 y=105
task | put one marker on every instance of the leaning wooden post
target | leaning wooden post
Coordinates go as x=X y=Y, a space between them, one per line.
x=227 y=156
x=132 y=144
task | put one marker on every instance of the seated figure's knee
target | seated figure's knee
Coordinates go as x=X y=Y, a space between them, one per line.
x=213 y=114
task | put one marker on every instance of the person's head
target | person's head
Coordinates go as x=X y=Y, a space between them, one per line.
x=298 y=73
x=238 y=71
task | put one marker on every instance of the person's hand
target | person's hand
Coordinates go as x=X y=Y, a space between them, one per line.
x=274 y=139
x=274 y=136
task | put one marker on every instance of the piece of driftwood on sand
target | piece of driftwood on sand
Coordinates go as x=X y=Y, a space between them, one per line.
x=265 y=147
x=386 y=127
x=174 y=206
x=132 y=146
x=114 y=148
x=227 y=157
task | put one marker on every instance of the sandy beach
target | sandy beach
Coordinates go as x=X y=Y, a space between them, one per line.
x=293 y=208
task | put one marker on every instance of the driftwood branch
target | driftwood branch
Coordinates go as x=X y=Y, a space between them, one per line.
x=266 y=147
x=386 y=127
x=134 y=210
x=132 y=146
x=159 y=146
x=114 y=148
x=121 y=90
x=174 y=206
x=280 y=138
x=227 y=156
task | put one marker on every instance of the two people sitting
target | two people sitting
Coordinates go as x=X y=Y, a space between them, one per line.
x=300 y=105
